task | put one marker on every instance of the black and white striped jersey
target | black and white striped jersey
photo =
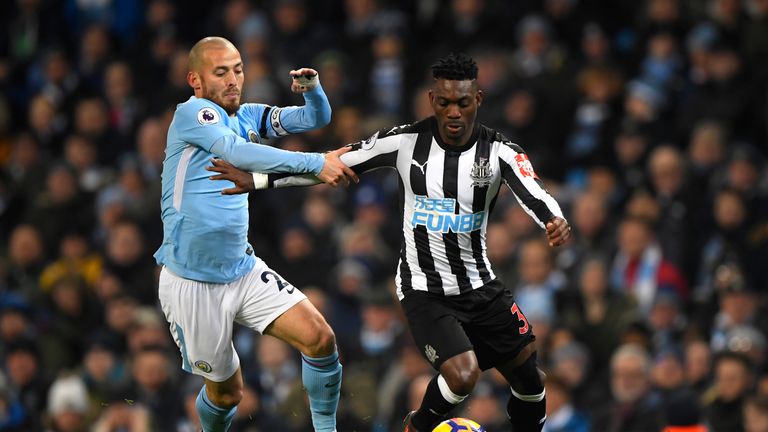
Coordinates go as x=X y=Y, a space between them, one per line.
x=446 y=195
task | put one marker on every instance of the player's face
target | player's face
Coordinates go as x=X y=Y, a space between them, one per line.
x=455 y=105
x=221 y=77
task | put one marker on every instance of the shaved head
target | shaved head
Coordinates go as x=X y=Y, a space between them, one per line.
x=196 y=54
x=216 y=72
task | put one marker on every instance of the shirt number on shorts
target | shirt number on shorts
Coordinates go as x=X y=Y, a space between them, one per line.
x=280 y=283
x=516 y=311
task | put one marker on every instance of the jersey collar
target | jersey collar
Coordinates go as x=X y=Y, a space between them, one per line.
x=450 y=148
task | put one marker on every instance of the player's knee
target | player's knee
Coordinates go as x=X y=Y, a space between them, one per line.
x=227 y=399
x=323 y=343
x=529 y=378
x=462 y=380
x=468 y=379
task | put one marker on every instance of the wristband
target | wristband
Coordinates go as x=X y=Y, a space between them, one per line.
x=260 y=181
x=307 y=81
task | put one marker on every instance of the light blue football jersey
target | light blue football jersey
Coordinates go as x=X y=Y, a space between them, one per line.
x=205 y=233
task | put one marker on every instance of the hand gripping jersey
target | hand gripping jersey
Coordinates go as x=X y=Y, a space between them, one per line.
x=446 y=196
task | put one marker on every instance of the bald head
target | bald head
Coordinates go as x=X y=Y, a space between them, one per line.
x=216 y=72
x=197 y=53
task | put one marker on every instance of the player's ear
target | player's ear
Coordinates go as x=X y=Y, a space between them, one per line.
x=193 y=79
x=431 y=97
x=479 y=97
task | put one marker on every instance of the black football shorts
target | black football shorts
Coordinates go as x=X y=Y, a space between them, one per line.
x=486 y=320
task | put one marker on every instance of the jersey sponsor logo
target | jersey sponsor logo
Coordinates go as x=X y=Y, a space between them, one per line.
x=481 y=173
x=524 y=165
x=438 y=215
x=253 y=136
x=203 y=366
x=207 y=116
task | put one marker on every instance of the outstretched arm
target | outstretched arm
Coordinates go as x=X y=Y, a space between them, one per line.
x=334 y=173
x=360 y=157
x=202 y=123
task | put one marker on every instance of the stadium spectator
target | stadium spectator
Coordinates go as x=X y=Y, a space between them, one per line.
x=756 y=414
x=635 y=407
x=732 y=383
x=639 y=267
x=561 y=414
x=88 y=90
x=68 y=405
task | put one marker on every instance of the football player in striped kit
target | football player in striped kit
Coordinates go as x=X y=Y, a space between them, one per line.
x=450 y=169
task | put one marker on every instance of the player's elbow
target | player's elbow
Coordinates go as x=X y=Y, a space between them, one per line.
x=324 y=117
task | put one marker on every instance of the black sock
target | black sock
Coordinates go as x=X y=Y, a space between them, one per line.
x=527 y=415
x=434 y=408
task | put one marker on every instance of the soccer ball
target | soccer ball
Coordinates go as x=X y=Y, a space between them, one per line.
x=458 y=424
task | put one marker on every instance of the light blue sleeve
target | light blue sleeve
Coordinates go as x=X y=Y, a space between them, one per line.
x=201 y=123
x=261 y=158
x=315 y=113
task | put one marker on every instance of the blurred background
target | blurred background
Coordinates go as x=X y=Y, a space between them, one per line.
x=647 y=120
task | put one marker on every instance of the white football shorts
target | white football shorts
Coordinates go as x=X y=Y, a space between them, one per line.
x=201 y=315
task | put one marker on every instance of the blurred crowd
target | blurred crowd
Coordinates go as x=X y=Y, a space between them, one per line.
x=647 y=120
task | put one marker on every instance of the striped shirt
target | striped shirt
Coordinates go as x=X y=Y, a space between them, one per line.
x=446 y=196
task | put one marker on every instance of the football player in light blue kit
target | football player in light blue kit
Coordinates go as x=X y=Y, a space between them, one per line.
x=210 y=276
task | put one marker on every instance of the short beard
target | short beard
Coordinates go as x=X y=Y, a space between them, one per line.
x=231 y=109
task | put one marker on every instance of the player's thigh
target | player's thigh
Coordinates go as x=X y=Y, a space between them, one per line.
x=499 y=331
x=201 y=316
x=274 y=306
x=435 y=329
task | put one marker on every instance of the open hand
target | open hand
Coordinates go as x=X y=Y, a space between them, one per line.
x=304 y=80
x=558 y=231
x=226 y=171
x=334 y=171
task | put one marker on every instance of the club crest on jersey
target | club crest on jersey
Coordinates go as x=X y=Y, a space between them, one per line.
x=431 y=353
x=481 y=173
x=207 y=116
x=524 y=165
x=252 y=136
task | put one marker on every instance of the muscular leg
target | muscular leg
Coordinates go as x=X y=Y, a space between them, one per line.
x=526 y=407
x=303 y=327
x=455 y=382
x=217 y=402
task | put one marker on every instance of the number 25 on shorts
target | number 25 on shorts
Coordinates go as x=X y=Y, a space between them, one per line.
x=280 y=283
x=516 y=311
